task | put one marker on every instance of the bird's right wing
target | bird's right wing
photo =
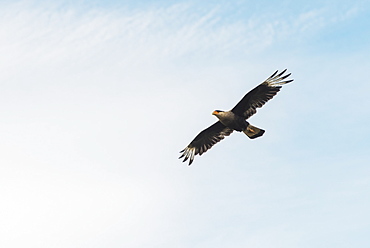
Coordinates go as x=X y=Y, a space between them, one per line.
x=205 y=140
x=258 y=96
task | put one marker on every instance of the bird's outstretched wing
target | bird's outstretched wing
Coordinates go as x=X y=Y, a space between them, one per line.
x=205 y=140
x=257 y=97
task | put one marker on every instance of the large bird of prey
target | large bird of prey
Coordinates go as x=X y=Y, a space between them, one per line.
x=235 y=119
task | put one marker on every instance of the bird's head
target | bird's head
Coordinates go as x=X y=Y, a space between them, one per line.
x=217 y=112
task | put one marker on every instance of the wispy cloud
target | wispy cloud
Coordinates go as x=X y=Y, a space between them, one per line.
x=53 y=34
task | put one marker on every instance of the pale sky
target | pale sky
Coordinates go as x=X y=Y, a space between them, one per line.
x=97 y=98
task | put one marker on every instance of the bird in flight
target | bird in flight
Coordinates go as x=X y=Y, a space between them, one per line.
x=235 y=119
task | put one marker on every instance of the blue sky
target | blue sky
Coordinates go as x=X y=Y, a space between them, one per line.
x=98 y=97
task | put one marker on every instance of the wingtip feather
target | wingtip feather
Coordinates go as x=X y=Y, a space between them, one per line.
x=190 y=162
x=273 y=75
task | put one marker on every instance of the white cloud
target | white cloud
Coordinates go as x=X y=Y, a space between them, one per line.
x=50 y=34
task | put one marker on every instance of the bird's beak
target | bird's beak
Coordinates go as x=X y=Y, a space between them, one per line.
x=215 y=112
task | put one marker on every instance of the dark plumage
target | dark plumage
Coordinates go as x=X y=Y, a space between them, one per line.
x=235 y=119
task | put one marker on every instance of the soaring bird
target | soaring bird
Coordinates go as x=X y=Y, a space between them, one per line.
x=235 y=119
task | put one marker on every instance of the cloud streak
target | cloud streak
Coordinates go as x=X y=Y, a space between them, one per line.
x=53 y=33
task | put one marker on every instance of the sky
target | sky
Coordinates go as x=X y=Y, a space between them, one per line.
x=97 y=98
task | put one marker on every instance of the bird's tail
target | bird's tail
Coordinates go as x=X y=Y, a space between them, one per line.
x=253 y=132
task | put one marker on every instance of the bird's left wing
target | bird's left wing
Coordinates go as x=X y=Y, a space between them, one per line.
x=205 y=140
x=257 y=97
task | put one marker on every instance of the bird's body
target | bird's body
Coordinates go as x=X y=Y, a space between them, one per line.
x=235 y=119
x=231 y=120
x=237 y=123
